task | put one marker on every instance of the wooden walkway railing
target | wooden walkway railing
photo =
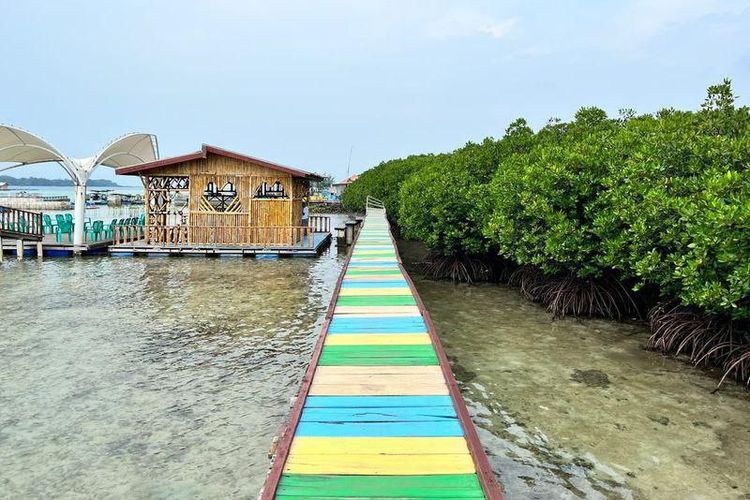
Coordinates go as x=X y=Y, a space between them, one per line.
x=266 y=236
x=320 y=223
x=379 y=414
x=20 y=224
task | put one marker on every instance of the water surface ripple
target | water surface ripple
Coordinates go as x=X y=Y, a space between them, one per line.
x=151 y=377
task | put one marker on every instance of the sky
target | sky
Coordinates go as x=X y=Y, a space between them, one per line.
x=305 y=83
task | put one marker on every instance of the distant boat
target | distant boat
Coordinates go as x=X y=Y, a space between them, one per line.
x=97 y=197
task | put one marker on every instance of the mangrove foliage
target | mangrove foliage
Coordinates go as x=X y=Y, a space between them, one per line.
x=634 y=215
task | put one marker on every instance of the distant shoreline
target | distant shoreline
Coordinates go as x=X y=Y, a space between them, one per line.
x=43 y=182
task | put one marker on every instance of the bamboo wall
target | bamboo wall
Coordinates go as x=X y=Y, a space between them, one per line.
x=206 y=225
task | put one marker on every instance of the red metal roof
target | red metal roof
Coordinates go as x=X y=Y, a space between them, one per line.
x=203 y=153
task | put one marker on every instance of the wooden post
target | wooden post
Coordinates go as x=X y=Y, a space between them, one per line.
x=39 y=249
x=1 y=248
x=350 y=232
x=19 y=249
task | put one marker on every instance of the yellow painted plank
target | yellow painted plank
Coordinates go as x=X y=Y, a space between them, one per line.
x=392 y=389
x=385 y=310
x=378 y=339
x=307 y=445
x=384 y=379
x=401 y=465
x=374 y=291
x=379 y=315
x=376 y=277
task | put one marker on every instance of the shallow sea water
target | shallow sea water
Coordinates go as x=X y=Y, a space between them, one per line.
x=151 y=377
x=578 y=409
x=169 y=377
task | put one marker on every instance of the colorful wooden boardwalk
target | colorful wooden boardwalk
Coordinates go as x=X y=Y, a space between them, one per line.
x=379 y=414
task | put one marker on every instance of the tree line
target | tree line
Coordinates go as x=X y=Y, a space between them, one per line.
x=611 y=216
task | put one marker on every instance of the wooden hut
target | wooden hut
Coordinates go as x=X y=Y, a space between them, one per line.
x=219 y=198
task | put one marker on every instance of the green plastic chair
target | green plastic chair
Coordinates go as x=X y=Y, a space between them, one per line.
x=48 y=227
x=95 y=231
x=64 y=228
x=109 y=228
x=142 y=220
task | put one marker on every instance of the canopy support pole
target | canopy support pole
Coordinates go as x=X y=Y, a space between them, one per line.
x=79 y=215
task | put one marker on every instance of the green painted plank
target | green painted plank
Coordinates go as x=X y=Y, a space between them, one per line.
x=355 y=272
x=435 y=486
x=373 y=355
x=377 y=300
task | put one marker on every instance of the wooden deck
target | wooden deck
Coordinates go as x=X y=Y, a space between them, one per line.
x=303 y=248
x=52 y=248
x=379 y=414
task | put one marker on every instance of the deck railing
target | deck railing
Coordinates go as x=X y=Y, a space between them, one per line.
x=320 y=223
x=21 y=224
x=373 y=203
x=270 y=236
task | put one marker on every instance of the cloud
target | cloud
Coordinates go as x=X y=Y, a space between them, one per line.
x=466 y=23
x=644 y=20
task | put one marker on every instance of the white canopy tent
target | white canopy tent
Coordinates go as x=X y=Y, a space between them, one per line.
x=20 y=148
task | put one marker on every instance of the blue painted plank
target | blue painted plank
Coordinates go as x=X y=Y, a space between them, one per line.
x=448 y=428
x=375 y=401
x=395 y=414
x=405 y=324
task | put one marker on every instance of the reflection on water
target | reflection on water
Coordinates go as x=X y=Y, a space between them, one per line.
x=151 y=377
x=577 y=409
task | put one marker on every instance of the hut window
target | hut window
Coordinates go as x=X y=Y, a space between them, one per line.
x=275 y=190
x=220 y=200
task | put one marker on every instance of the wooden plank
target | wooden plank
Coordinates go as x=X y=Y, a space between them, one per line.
x=398 y=360
x=384 y=310
x=376 y=429
x=375 y=401
x=406 y=324
x=374 y=283
x=373 y=272
x=379 y=446
x=383 y=277
x=367 y=389
x=349 y=292
x=405 y=371
x=310 y=486
x=377 y=300
x=372 y=265
x=337 y=355
x=380 y=464
x=385 y=379
x=378 y=339
x=401 y=414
